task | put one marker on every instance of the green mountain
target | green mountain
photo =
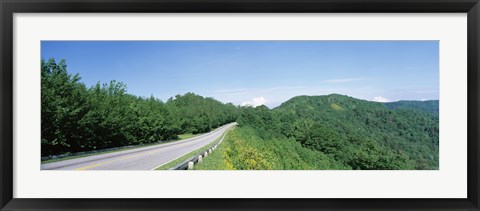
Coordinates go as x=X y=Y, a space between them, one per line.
x=428 y=106
x=359 y=133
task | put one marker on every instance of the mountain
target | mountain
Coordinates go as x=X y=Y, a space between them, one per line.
x=359 y=133
x=428 y=106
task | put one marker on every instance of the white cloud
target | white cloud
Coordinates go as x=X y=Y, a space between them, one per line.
x=256 y=101
x=381 y=99
x=344 y=80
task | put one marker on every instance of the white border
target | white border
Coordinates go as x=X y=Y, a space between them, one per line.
x=450 y=181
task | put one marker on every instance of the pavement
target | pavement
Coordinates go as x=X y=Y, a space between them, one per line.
x=144 y=158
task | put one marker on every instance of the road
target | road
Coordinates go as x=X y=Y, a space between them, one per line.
x=145 y=158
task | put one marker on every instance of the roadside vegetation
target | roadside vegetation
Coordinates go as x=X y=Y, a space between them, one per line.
x=242 y=149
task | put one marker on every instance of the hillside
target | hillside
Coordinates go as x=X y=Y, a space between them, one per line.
x=360 y=134
x=430 y=106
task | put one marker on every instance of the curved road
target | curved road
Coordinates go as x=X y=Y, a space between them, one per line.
x=145 y=158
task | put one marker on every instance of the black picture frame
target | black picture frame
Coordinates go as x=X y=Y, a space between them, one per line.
x=9 y=7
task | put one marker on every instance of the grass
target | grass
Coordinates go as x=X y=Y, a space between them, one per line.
x=189 y=155
x=215 y=160
x=92 y=153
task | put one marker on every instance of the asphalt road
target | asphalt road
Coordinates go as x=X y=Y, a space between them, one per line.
x=145 y=158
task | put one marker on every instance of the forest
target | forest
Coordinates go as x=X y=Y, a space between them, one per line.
x=76 y=118
x=306 y=132
x=357 y=133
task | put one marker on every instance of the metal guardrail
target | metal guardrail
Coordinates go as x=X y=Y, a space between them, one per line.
x=195 y=158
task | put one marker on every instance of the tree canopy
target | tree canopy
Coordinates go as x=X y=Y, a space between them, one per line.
x=359 y=133
x=76 y=118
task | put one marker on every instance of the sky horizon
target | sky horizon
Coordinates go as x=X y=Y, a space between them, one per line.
x=257 y=72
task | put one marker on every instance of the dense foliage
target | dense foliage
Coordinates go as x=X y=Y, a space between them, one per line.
x=76 y=118
x=243 y=149
x=430 y=106
x=358 y=133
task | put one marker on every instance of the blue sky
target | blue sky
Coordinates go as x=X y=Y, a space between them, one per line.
x=257 y=72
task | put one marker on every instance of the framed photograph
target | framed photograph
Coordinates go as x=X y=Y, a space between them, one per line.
x=251 y=105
